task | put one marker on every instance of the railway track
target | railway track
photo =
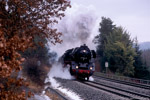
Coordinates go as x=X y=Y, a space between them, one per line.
x=118 y=91
x=123 y=82
x=58 y=93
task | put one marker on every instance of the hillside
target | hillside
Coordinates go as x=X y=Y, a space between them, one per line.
x=144 y=45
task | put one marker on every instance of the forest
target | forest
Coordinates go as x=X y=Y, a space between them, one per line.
x=115 y=46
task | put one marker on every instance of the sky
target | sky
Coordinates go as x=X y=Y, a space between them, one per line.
x=133 y=15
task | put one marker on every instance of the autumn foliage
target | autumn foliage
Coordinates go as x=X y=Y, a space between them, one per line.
x=20 y=22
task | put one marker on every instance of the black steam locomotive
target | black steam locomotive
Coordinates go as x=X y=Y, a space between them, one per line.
x=80 y=60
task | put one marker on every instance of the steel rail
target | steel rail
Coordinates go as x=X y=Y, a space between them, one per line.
x=94 y=84
x=128 y=91
x=63 y=97
x=123 y=78
x=123 y=82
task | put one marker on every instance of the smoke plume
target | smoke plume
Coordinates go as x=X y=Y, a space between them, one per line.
x=57 y=70
x=78 y=28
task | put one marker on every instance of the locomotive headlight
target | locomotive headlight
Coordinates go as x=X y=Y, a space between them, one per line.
x=84 y=50
x=91 y=68
x=77 y=67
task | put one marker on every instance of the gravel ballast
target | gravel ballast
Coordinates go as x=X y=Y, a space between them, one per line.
x=87 y=92
x=122 y=86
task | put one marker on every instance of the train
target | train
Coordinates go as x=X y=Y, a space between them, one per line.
x=81 y=61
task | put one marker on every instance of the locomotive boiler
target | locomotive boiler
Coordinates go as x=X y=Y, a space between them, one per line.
x=80 y=61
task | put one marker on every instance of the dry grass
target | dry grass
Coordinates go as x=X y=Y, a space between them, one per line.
x=35 y=76
x=37 y=87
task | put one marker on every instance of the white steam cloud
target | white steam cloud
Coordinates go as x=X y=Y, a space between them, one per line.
x=57 y=70
x=78 y=28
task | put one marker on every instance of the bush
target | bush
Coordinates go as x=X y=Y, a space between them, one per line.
x=35 y=71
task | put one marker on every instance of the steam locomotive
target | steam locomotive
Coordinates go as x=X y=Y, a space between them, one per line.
x=80 y=61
